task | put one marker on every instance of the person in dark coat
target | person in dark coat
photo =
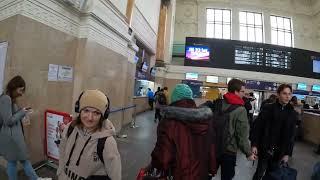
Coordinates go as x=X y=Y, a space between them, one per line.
x=272 y=98
x=12 y=141
x=184 y=146
x=273 y=133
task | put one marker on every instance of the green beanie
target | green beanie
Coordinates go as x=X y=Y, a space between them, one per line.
x=181 y=91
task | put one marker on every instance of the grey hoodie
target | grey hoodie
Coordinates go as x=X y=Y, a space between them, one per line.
x=89 y=163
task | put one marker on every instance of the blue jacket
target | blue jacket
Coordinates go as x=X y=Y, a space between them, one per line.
x=150 y=95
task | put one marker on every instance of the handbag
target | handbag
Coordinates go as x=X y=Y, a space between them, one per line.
x=144 y=174
x=282 y=172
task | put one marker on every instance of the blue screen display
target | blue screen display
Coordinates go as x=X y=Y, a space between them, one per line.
x=316 y=88
x=302 y=86
x=316 y=66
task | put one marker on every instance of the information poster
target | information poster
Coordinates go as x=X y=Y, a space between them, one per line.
x=55 y=124
x=53 y=72
x=65 y=73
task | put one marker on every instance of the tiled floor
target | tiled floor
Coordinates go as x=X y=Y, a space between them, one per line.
x=136 y=148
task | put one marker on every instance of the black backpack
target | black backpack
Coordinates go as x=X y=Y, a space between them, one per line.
x=221 y=119
x=161 y=98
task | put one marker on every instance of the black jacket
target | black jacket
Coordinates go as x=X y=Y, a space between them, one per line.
x=274 y=128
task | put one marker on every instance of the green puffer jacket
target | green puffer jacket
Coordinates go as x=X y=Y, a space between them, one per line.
x=238 y=130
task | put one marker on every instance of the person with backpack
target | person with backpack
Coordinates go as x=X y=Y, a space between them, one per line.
x=88 y=149
x=161 y=101
x=232 y=129
x=184 y=147
x=273 y=133
x=12 y=140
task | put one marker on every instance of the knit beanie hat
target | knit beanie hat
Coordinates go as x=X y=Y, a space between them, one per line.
x=181 y=91
x=95 y=99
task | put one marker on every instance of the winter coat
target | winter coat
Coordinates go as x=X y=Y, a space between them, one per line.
x=238 y=125
x=12 y=141
x=184 y=142
x=274 y=128
x=86 y=154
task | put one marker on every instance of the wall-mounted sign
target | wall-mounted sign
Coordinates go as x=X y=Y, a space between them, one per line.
x=53 y=72
x=192 y=76
x=261 y=85
x=65 y=73
x=212 y=79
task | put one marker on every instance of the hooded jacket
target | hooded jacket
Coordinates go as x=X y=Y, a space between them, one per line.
x=184 y=144
x=238 y=125
x=84 y=160
x=275 y=128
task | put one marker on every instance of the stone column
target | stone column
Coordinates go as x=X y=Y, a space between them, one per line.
x=162 y=32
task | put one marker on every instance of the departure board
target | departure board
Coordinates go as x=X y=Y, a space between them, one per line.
x=278 y=59
x=249 y=55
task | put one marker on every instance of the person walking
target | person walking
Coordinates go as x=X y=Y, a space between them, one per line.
x=237 y=128
x=12 y=140
x=150 y=98
x=273 y=132
x=184 y=147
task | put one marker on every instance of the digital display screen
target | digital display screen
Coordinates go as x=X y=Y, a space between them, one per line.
x=316 y=88
x=198 y=53
x=192 y=76
x=302 y=86
x=212 y=79
x=316 y=66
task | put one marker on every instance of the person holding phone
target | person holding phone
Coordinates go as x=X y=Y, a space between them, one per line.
x=12 y=141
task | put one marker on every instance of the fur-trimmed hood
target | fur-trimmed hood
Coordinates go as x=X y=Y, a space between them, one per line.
x=186 y=112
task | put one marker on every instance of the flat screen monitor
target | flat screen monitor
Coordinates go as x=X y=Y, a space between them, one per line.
x=198 y=53
x=192 y=76
x=316 y=66
x=316 y=88
x=302 y=86
x=212 y=79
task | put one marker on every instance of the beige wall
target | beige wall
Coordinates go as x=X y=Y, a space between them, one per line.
x=29 y=56
x=191 y=18
x=33 y=46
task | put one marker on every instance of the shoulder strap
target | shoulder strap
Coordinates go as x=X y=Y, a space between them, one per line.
x=231 y=108
x=70 y=130
x=100 y=148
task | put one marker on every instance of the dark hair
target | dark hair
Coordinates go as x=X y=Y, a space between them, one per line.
x=273 y=97
x=282 y=87
x=235 y=85
x=159 y=88
x=165 y=88
x=149 y=89
x=251 y=94
x=15 y=83
x=294 y=99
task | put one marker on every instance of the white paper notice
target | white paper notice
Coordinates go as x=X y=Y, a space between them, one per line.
x=53 y=121
x=3 y=57
x=65 y=73
x=53 y=72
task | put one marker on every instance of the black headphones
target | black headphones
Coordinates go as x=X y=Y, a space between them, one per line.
x=105 y=114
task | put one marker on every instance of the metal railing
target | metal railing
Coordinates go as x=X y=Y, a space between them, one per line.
x=133 y=121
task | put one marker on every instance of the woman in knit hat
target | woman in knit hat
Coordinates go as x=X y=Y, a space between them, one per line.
x=88 y=149
x=183 y=149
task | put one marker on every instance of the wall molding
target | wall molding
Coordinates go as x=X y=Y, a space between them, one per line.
x=103 y=25
x=143 y=30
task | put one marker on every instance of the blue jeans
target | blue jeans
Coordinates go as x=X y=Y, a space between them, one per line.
x=28 y=169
